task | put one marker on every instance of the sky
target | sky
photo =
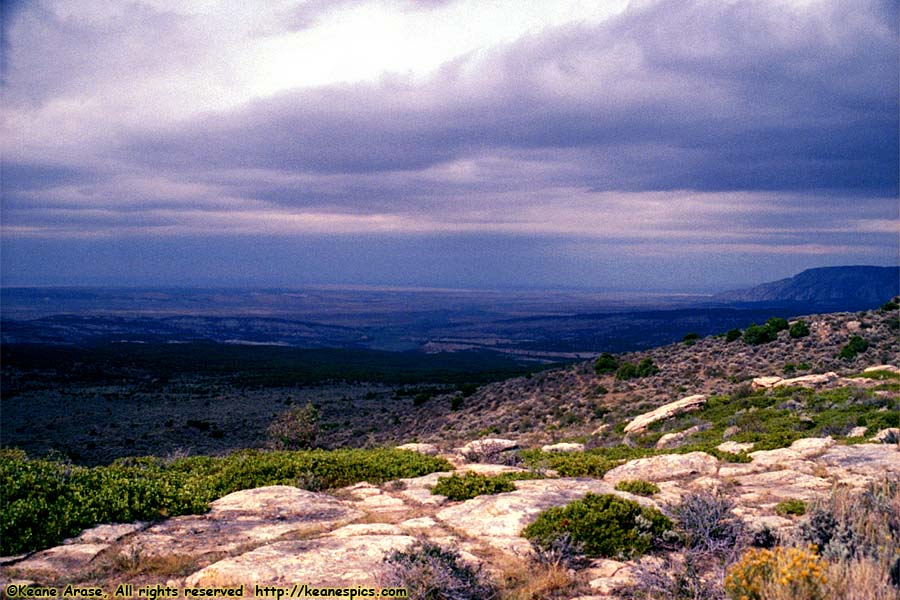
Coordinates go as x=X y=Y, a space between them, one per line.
x=677 y=145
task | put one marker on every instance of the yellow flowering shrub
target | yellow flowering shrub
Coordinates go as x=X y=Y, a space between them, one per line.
x=762 y=574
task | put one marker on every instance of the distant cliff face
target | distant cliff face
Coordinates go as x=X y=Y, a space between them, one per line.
x=848 y=288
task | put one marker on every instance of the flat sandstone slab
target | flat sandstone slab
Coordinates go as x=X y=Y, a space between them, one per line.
x=328 y=561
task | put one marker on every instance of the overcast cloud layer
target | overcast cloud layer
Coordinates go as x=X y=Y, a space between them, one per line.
x=653 y=145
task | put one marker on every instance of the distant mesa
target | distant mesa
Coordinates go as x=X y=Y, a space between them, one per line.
x=836 y=288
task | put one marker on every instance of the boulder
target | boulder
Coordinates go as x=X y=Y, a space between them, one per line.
x=859 y=431
x=640 y=423
x=672 y=440
x=886 y=435
x=735 y=447
x=665 y=467
x=563 y=447
x=809 y=381
x=877 y=368
x=487 y=445
x=605 y=576
x=764 y=383
x=426 y=449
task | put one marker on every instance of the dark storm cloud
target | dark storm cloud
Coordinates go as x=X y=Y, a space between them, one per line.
x=674 y=95
x=753 y=137
x=70 y=53
x=18 y=177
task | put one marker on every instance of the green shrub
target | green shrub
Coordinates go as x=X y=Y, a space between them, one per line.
x=763 y=334
x=732 y=335
x=855 y=346
x=646 y=368
x=776 y=324
x=757 y=334
x=570 y=464
x=791 y=507
x=605 y=524
x=638 y=487
x=468 y=486
x=467 y=389
x=629 y=370
x=889 y=306
x=690 y=339
x=732 y=457
x=295 y=429
x=799 y=329
x=42 y=502
x=456 y=402
x=606 y=363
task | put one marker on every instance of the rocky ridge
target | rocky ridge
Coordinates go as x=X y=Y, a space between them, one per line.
x=285 y=535
x=282 y=535
x=571 y=403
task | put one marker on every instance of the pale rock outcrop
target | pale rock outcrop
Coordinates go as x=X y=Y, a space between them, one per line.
x=247 y=517
x=891 y=433
x=601 y=429
x=809 y=381
x=426 y=449
x=764 y=383
x=499 y=519
x=665 y=467
x=671 y=440
x=859 y=464
x=358 y=529
x=640 y=423
x=372 y=498
x=606 y=575
x=488 y=469
x=563 y=447
x=418 y=523
x=314 y=561
x=106 y=534
x=797 y=457
x=69 y=558
x=858 y=431
x=877 y=368
x=76 y=553
x=735 y=447
x=488 y=445
x=418 y=489
x=772 y=487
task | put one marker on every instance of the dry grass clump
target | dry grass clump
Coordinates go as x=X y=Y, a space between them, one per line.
x=858 y=533
x=539 y=582
x=550 y=573
x=429 y=572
